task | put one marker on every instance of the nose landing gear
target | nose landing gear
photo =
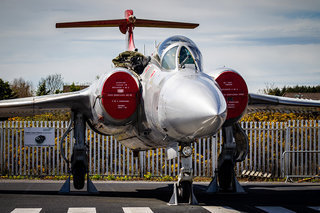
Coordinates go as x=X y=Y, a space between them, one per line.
x=183 y=190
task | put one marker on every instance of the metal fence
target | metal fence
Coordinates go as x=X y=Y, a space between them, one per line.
x=301 y=157
x=274 y=147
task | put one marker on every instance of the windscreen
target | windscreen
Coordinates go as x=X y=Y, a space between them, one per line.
x=182 y=40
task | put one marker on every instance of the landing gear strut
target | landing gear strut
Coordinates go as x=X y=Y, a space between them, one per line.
x=79 y=158
x=183 y=190
x=234 y=149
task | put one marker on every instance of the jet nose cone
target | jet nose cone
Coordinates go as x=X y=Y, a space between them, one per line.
x=191 y=107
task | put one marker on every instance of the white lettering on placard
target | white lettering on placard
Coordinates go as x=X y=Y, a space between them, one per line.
x=228 y=83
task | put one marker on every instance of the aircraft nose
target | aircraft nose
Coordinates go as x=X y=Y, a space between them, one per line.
x=191 y=107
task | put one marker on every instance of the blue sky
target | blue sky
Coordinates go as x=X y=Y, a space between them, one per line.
x=267 y=41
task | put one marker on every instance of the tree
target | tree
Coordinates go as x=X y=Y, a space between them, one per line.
x=74 y=88
x=272 y=90
x=5 y=90
x=42 y=89
x=52 y=84
x=21 y=88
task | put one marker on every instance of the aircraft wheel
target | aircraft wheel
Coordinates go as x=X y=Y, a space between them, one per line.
x=79 y=174
x=184 y=191
x=226 y=175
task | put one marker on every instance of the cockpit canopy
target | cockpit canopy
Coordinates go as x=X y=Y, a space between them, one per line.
x=178 y=51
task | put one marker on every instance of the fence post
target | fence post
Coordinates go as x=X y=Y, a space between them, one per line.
x=286 y=159
x=208 y=157
x=20 y=148
x=141 y=161
x=276 y=143
x=281 y=147
x=1 y=147
x=318 y=169
x=195 y=159
x=214 y=153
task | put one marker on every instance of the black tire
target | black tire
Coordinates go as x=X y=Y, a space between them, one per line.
x=226 y=175
x=79 y=174
x=184 y=191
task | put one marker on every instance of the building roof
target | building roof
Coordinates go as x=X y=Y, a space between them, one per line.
x=301 y=95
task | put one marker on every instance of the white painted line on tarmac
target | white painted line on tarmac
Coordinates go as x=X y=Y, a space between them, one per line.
x=137 y=210
x=220 y=209
x=274 y=209
x=82 y=210
x=26 y=210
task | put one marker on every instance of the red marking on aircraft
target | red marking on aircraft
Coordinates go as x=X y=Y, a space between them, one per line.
x=152 y=73
x=119 y=95
x=235 y=91
x=147 y=68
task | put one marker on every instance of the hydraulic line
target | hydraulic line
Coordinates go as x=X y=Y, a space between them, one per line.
x=62 y=141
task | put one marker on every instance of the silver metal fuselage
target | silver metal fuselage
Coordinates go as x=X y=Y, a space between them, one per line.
x=176 y=106
x=182 y=104
x=173 y=100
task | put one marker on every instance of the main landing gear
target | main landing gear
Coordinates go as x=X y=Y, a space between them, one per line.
x=183 y=190
x=79 y=158
x=234 y=149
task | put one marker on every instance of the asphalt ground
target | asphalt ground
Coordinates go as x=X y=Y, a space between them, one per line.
x=119 y=196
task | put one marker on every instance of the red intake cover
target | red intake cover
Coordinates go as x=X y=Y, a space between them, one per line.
x=235 y=91
x=120 y=95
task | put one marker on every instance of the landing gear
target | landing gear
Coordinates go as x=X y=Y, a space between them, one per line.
x=183 y=190
x=226 y=175
x=79 y=165
x=79 y=159
x=234 y=149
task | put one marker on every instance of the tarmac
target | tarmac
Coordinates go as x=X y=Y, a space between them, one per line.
x=142 y=196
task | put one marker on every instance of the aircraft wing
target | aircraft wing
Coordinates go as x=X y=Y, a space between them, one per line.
x=270 y=102
x=79 y=100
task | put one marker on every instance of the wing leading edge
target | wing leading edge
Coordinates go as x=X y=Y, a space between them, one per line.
x=79 y=100
x=259 y=101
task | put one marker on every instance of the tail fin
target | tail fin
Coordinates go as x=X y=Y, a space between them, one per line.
x=127 y=25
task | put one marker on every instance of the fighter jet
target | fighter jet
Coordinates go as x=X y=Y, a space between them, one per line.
x=164 y=100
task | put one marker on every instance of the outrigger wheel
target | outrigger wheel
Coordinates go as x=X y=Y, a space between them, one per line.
x=78 y=176
x=226 y=176
x=234 y=149
x=79 y=157
x=79 y=165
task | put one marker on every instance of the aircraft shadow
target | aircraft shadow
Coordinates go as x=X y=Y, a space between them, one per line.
x=256 y=194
